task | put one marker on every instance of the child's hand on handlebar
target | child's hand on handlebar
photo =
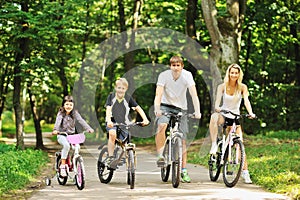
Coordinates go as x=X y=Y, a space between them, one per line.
x=110 y=124
x=91 y=131
x=145 y=122
x=55 y=132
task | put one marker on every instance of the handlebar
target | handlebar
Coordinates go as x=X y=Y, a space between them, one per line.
x=74 y=138
x=178 y=115
x=237 y=115
x=128 y=125
x=66 y=134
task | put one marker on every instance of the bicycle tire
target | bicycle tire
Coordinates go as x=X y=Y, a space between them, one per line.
x=80 y=175
x=131 y=169
x=176 y=161
x=165 y=171
x=233 y=163
x=214 y=164
x=60 y=180
x=105 y=175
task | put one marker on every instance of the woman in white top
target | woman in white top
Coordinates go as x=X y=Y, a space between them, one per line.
x=231 y=93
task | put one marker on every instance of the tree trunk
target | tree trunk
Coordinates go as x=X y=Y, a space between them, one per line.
x=191 y=15
x=37 y=124
x=225 y=32
x=5 y=81
x=20 y=55
x=129 y=57
x=79 y=84
x=61 y=64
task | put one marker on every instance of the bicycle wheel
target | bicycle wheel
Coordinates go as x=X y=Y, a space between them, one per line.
x=233 y=163
x=131 y=169
x=165 y=171
x=214 y=164
x=105 y=175
x=60 y=180
x=176 y=160
x=79 y=176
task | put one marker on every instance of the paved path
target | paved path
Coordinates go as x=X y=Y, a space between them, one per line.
x=148 y=184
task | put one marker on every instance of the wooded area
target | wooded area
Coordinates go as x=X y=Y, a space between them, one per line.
x=52 y=48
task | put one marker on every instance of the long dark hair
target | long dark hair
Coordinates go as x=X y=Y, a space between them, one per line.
x=67 y=98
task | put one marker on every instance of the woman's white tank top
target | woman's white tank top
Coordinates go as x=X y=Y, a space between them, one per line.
x=231 y=103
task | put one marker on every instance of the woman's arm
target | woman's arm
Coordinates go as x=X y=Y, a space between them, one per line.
x=220 y=91
x=246 y=100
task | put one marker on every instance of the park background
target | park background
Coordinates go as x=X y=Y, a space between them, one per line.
x=44 y=45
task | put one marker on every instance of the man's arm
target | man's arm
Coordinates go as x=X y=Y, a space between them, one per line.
x=196 y=103
x=157 y=99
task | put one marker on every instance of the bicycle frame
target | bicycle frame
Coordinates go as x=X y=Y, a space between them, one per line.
x=73 y=159
x=172 y=150
x=174 y=132
x=230 y=155
x=125 y=146
x=122 y=146
x=227 y=141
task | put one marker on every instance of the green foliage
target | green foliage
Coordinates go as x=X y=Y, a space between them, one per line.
x=273 y=160
x=61 y=37
x=19 y=167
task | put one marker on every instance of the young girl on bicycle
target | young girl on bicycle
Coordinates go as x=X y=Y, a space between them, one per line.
x=117 y=106
x=65 y=122
x=231 y=92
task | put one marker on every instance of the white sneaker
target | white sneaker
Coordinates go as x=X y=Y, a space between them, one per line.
x=246 y=177
x=214 y=148
x=63 y=170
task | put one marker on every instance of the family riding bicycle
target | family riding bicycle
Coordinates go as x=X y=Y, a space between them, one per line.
x=171 y=111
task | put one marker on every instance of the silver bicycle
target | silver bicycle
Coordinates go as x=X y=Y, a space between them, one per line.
x=172 y=151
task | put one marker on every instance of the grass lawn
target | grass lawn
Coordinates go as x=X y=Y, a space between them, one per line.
x=273 y=159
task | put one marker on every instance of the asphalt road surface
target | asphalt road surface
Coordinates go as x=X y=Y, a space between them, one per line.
x=148 y=184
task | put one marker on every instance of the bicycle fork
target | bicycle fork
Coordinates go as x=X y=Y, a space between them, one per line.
x=128 y=147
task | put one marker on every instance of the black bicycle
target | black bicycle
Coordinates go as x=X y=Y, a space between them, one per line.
x=124 y=152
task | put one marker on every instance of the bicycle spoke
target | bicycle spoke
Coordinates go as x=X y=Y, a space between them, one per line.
x=234 y=161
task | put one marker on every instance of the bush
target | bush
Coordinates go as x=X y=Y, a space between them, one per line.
x=19 y=167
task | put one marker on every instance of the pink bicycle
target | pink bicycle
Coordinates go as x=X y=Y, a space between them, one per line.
x=74 y=162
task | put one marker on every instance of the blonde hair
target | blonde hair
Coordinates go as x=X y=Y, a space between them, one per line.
x=176 y=59
x=122 y=81
x=240 y=79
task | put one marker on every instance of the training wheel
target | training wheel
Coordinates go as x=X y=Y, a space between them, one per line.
x=48 y=181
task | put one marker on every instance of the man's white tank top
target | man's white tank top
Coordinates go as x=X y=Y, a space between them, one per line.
x=231 y=103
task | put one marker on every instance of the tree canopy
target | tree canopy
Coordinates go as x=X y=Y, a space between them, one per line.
x=48 y=47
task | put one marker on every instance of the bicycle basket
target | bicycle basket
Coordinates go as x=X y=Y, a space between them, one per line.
x=76 y=138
